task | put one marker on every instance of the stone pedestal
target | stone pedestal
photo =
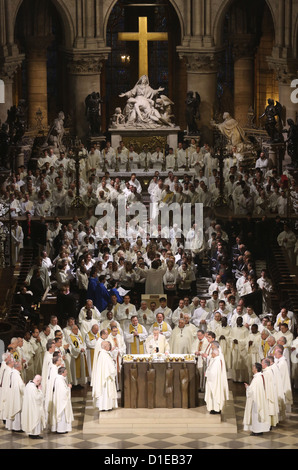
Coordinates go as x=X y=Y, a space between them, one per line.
x=276 y=153
x=99 y=141
x=84 y=74
x=139 y=137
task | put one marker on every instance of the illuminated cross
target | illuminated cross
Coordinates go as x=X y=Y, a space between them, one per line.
x=142 y=36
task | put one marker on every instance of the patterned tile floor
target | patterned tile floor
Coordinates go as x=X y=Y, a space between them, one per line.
x=284 y=436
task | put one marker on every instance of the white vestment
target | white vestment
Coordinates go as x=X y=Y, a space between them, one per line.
x=181 y=341
x=104 y=392
x=256 y=413
x=216 y=387
x=32 y=417
x=62 y=414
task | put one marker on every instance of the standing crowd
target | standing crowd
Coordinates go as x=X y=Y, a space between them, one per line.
x=139 y=294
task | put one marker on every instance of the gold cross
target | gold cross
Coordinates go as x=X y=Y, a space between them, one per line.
x=142 y=36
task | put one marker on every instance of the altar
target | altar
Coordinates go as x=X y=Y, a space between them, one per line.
x=159 y=381
x=161 y=136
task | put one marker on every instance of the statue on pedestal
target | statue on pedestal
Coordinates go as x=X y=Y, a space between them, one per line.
x=231 y=129
x=93 y=113
x=143 y=109
x=192 y=113
x=273 y=126
x=56 y=133
x=292 y=141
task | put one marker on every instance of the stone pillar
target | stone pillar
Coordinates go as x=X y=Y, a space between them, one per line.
x=243 y=52
x=285 y=71
x=84 y=74
x=37 y=78
x=202 y=78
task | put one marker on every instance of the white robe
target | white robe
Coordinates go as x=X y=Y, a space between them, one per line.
x=181 y=341
x=285 y=377
x=216 y=387
x=161 y=343
x=104 y=392
x=62 y=414
x=14 y=402
x=271 y=396
x=256 y=413
x=32 y=417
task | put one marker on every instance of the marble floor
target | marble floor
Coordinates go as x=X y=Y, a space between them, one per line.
x=284 y=436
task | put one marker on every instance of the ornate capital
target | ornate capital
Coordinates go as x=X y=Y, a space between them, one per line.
x=82 y=64
x=244 y=46
x=9 y=66
x=285 y=69
x=200 y=62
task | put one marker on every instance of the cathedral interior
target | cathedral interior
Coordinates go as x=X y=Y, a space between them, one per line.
x=224 y=75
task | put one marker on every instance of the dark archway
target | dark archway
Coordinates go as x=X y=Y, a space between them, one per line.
x=165 y=67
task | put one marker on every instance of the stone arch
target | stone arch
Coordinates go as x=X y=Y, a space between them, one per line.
x=107 y=11
x=219 y=19
x=66 y=19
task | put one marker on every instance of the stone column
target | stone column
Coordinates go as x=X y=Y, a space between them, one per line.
x=243 y=51
x=37 y=78
x=202 y=78
x=285 y=71
x=84 y=73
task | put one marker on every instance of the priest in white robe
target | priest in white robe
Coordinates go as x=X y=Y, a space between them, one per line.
x=13 y=406
x=256 y=414
x=78 y=362
x=199 y=347
x=216 y=387
x=279 y=388
x=48 y=392
x=271 y=393
x=104 y=391
x=282 y=365
x=163 y=326
x=47 y=360
x=118 y=351
x=32 y=417
x=181 y=339
x=156 y=343
x=238 y=340
x=135 y=336
x=62 y=413
x=91 y=339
